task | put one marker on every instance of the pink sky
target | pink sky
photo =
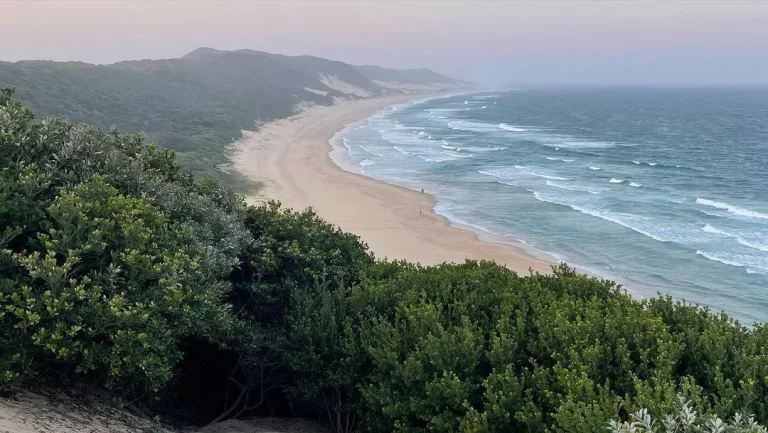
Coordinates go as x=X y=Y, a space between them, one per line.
x=499 y=41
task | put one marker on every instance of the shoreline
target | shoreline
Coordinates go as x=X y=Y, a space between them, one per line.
x=293 y=158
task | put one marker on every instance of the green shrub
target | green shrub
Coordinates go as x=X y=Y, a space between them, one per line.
x=115 y=266
x=295 y=263
x=292 y=253
x=109 y=257
x=111 y=289
x=474 y=347
x=685 y=420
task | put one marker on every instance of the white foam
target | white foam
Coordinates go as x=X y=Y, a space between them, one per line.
x=747 y=243
x=546 y=176
x=484 y=106
x=457 y=155
x=594 y=168
x=508 y=127
x=736 y=210
x=463 y=125
x=571 y=187
x=369 y=151
x=481 y=149
x=615 y=180
x=466 y=102
x=652 y=163
x=569 y=143
x=552 y=159
x=710 y=229
x=569 y=160
x=751 y=264
x=635 y=184
x=405 y=152
x=719 y=259
x=507 y=173
x=635 y=162
x=714 y=214
x=622 y=220
x=444 y=110
x=367 y=162
x=413 y=128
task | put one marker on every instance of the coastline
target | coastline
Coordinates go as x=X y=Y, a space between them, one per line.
x=292 y=157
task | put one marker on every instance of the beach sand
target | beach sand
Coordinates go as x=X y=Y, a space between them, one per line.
x=290 y=157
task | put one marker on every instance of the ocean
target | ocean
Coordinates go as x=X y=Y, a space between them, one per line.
x=662 y=190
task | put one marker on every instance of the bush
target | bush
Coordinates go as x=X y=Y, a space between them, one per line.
x=685 y=420
x=116 y=267
x=111 y=289
x=295 y=261
x=475 y=347
x=292 y=253
x=109 y=257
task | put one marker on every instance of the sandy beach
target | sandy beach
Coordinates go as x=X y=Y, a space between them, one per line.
x=290 y=156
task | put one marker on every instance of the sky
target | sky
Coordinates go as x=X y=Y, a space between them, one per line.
x=490 y=42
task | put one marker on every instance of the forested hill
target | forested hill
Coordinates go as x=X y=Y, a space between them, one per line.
x=405 y=76
x=199 y=103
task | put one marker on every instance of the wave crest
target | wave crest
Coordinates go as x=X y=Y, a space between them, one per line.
x=736 y=210
x=511 y=128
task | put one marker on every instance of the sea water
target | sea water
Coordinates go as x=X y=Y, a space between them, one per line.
x=662 y=190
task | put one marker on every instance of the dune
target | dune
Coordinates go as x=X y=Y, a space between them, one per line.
x=56 y=412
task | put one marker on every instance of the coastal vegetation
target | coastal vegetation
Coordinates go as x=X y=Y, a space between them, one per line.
x=198 y=104
x=118 y=270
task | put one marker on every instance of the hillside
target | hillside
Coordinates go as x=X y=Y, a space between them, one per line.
x=196 y=104
x=407 y=76
x=134 y=282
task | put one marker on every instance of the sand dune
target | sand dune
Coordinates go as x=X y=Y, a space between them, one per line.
x=55 y=412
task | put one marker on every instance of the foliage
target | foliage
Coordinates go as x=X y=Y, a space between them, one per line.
x=196 y=105
x=685 y=420
x=326 y=358
x=296 y=264
x=111 y=288
x=475 y=347
x=293 y=252
x=109 y=255
x=116 y=267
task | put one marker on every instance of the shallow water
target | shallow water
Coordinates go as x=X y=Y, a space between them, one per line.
x=662 y=190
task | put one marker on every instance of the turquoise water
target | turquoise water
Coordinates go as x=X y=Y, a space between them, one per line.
x=662 y=190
